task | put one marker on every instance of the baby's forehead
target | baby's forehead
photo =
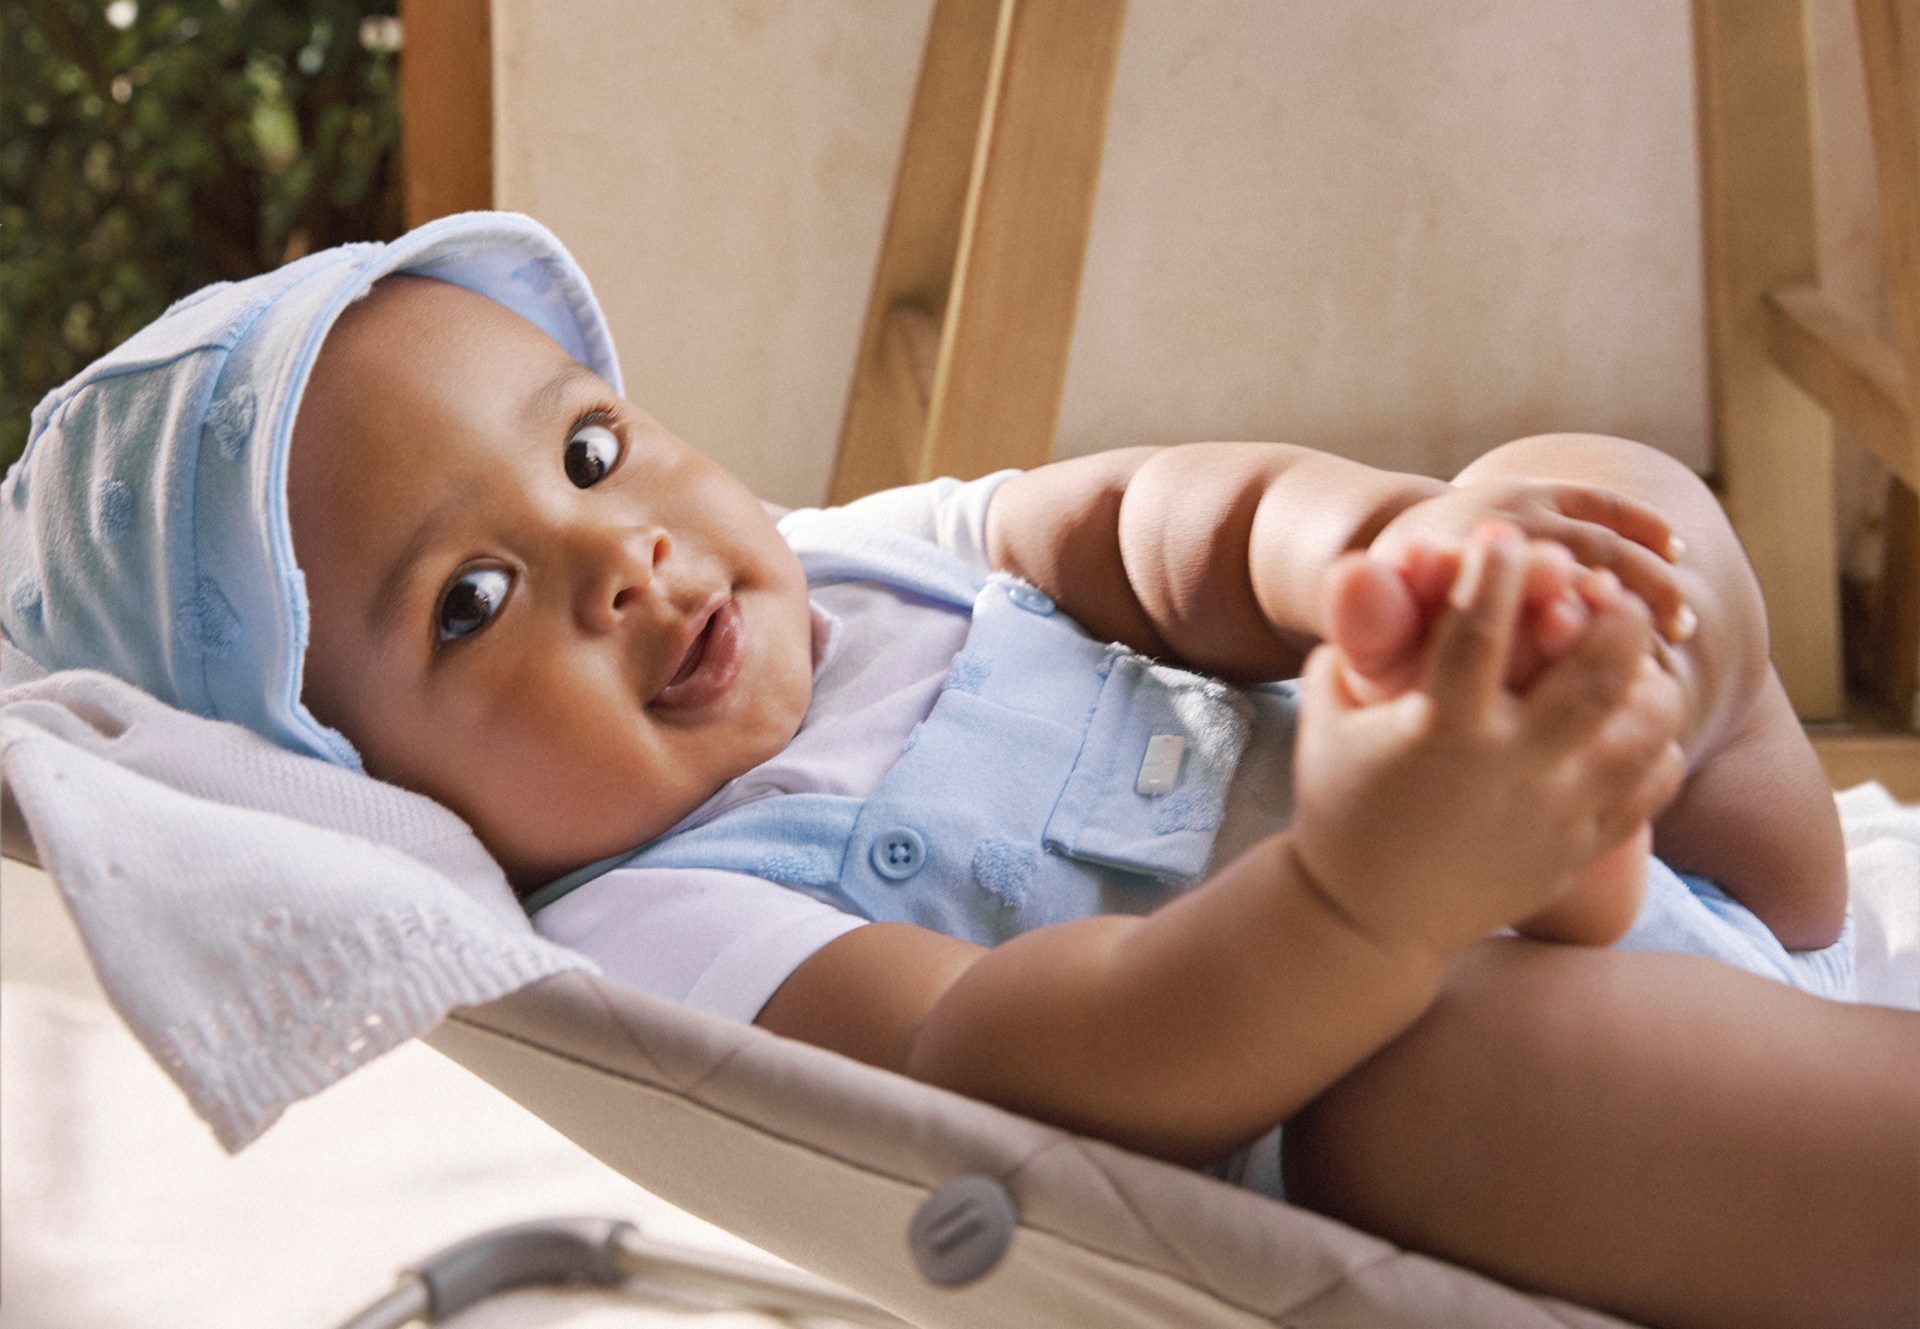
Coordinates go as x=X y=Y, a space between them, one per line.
x=407 y=302
x=408 y=329
x=416 y=374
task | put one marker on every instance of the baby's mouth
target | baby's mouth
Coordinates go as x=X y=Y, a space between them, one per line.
x=710 y=662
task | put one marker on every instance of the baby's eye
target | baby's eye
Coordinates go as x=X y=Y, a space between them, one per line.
x=591 y=452
x=471 y=602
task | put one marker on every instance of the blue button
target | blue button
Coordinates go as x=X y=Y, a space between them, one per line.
x=1030 y=598
x=898 y=853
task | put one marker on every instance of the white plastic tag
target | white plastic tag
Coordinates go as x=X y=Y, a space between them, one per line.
x=1160 y=768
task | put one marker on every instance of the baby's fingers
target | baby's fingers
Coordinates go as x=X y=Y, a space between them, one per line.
x=1641 y=523
x=1649 y=785
x=1579 y=692
x=1644 y=571
x=1473 y=639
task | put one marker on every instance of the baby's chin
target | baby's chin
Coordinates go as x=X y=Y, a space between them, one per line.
x=529 y=866
x=581 y=827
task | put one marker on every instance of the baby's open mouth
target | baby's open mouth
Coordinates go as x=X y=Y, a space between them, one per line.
x=711 y=662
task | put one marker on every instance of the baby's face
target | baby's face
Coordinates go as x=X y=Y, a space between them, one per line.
x=529 y=601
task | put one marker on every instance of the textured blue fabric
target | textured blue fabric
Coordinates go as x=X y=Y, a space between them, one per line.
x=144 y=530
x=1013 y=804
x=1690 y=914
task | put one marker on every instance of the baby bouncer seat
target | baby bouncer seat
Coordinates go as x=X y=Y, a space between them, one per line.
x=947 y=1211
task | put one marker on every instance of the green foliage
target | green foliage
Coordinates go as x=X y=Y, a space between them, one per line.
x=148 y=149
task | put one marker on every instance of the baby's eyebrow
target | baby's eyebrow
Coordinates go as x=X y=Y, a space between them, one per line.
x=546 y=400
x=387 y=598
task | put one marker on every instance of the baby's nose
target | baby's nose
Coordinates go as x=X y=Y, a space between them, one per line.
x=617 y=571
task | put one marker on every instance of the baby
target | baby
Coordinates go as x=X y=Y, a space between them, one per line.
x=947 y=780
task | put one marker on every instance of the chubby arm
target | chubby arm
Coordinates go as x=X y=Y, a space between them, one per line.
x=1183 y=1034
x=1215 y=554
x=1209 y=553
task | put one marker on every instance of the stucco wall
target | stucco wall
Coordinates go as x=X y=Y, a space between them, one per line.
x=1403 y=231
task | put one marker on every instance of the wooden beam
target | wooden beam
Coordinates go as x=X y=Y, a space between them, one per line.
x=910 y=345
x=446 y=107
x=1853 y=374
x=1896 y=615
x=1773 y=447
x=1889 y=48
x=1016 y=282
x=987 y=230
x=1890 y=54
x=879 y=439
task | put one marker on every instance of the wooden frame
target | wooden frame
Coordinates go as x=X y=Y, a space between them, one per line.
x=1769 y=324
x=446 y=107
x=1773 y=447
x=964 y=352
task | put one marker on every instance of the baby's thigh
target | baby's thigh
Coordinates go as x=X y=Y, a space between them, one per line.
x=1595 y=1123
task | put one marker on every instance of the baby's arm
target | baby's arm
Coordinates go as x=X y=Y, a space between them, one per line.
x=1189 y=1031
x=1215 y=554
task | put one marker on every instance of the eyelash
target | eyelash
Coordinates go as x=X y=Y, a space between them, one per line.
x=608 y=414
x=609 y=417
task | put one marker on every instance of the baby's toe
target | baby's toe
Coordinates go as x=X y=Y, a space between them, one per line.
x=1371 y=615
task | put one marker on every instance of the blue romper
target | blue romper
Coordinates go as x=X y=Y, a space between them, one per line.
x=1058 y=776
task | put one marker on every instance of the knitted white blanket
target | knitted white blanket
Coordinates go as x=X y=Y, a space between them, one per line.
x=265 y=922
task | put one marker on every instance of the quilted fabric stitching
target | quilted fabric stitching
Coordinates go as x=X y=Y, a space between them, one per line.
x=637 y=1039
x=1286 y=1316
x=607 y=1009
x=1173 y=1253
x=840 y=1159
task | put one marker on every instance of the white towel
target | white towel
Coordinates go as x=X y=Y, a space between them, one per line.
x=265 y=922
x=1883 y=865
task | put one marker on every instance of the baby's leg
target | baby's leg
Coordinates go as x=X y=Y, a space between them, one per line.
x=1661 y=1136
x=1756 y=814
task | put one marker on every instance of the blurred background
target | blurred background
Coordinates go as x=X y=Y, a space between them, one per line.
x=149 y=147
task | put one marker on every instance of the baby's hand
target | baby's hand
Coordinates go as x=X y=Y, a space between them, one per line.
x=1459 y=805
x=1379 y=615
x=1601 y=530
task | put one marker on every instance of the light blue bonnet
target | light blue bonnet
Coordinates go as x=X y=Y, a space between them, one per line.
x=145 y=531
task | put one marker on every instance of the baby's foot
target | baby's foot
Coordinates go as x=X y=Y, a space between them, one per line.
x=1378 y=614
x=1602 y=900
x=1374 y=616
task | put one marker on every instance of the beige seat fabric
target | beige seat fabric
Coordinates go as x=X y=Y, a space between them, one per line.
x=824 y=1161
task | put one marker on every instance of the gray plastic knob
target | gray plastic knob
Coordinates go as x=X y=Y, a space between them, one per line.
x=962 y=1230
